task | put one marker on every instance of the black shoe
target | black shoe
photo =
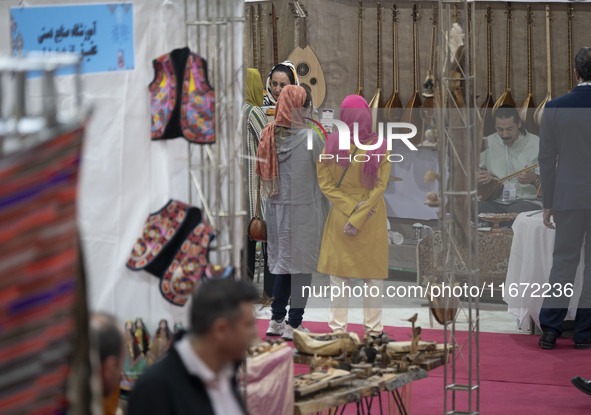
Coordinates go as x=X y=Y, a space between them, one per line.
x=547 y=341
x=581 y=384
x=583 y=345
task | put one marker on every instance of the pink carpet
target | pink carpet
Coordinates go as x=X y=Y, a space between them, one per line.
x=516 y=376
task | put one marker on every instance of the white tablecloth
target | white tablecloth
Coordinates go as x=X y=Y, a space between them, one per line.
x=530 y=262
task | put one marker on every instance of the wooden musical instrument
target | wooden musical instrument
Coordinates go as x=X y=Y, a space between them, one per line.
x=429 y=88
x=571 y=15
x=359 y=89
x=376 y=101
x=305 y=60
x=411 y=111
x=526 y=112
x=540 y=110
x=261 y=39
x=274 y=18
x=253 y=34
x=489 y=102
x=506 y=98
x=394 y=105
x=493 y=189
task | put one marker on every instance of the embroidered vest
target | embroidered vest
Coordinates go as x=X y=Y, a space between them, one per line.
x=164 y=231
x=188 y=266
x=182 y=102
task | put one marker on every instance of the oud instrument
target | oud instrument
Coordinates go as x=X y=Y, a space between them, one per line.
x=489 y=101
x=494 y=188
x=411 y=111
x=540 y=110
x=394 y=105
x=376 y=101
x=526 y=112
x=358 y=91
x=506 y=98
x=305 y=60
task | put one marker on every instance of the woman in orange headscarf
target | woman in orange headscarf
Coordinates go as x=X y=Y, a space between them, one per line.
x=295 y=209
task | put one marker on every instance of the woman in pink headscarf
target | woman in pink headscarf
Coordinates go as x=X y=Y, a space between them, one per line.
x=355 y=239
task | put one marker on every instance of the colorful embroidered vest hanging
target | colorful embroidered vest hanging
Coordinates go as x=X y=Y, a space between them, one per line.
x=188 y=266
x=164 y=231
x=182 y=102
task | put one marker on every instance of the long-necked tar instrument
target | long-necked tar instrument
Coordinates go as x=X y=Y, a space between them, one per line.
x=394 y=105
x=493 y=189
x=376 y=101
x=526 y=112
x=359 y=89
x=506 y=98
x=411 y=111
x=540 y=110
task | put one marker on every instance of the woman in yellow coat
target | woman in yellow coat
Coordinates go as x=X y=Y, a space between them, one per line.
x=355 y=239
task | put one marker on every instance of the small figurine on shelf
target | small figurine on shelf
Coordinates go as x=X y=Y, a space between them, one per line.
x=160 y=342
x=134 y=358
x=142 y=337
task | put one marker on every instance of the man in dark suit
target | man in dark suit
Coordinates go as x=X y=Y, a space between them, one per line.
x=565 y=156
x=198 y=375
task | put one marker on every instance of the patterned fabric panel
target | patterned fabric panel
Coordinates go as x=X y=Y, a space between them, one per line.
x=198 y=103
x=163 y=95
x=188 y=266
x=38 y=274
x=159 y=229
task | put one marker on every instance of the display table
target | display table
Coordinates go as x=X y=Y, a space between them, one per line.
x=530 y=262
x=361 y=392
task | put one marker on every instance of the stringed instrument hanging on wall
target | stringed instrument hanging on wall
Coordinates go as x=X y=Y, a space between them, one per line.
x=540 y=110
x=376 y=101
x=262 y=68
x=506 y=98
x=570 y=16
x=305 y=60
x=526 y=112
x=393 y=107
x=253 y=38
x=411 y=111
x=427 y=131
x=274 y=19
x=488 y=121
x=359 y=90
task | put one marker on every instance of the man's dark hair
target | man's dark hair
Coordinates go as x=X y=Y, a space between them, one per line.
x=286 y=70
x=104 y=329
x=583 y=63
x=508 y=111
x=220 y=298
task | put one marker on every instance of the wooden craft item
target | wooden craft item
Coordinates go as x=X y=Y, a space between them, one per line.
x=335 y=345
x=274 y=19
x=570 y=15
x=427 y=112
x=305 y=60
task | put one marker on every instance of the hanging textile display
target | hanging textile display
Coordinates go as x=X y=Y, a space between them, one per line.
x=39 y=275
x=173 y=246
x=182 y=103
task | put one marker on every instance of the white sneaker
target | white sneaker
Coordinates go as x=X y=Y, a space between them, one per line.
x=288 y=331
x=276 y=328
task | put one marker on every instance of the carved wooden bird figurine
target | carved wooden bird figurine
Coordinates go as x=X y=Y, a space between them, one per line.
x=413 y=318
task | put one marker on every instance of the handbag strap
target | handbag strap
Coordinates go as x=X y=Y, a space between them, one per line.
x=256 y=215
x=346 y=168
